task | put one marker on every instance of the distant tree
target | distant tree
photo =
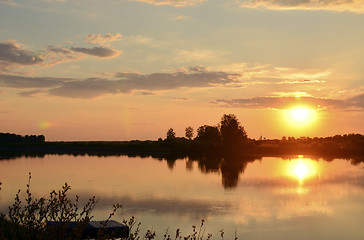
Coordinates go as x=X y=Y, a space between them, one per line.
x=232 y=132
x=41 y=138
x=171 y=134
x=189 y=133
x=14 y=138
x=208 y=133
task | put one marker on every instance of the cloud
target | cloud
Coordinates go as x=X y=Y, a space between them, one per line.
x=30 y=93
x=174 y=3
x=194 y=77
x=88 y=88
x=140 y=39
x=12 y=55
x=128 y=82
x=180 y=99
x=101 y=52
x=10 y=3
x=30 y=82
x=356 y=6
x=277 y=102
x=185 y=77
x=193 y=55
x=165 y=81
x=103 y=40
x=269 y=75
x=181 y=17
x=147 y=93
x=357 y=101
x=55 y=1
x=57 y=54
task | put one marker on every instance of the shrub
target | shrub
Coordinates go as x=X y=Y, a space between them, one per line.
x=29 y=220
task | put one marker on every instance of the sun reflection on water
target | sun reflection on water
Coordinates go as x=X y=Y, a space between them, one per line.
x=302 y=169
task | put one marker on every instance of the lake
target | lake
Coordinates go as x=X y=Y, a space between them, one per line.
x=265 y=198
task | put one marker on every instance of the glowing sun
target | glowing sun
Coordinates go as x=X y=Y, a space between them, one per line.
x=301 y=115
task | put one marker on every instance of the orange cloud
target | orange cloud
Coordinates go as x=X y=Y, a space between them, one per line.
x=103 y=40
x=356 y=6
x=279 y=102
x=174 y=3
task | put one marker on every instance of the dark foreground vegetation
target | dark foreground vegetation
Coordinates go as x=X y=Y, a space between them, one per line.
x=227 y=138
x=29 y=220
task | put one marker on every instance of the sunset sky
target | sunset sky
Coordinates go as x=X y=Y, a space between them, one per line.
x=131 y=69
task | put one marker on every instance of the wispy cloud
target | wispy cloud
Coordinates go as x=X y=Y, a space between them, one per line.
x=58 y=54
x=120 y=83
x=180 y=99
x=103 y=40
x=13 y=55
x=128 y=82
x=55 y=1
x=147 y=93
x=356 y=6
x=30 y=82
x=101 y=52
x=140 y=39
x=236 y=75
x=88 y=88
x=181 y=17
x=282 y=102
x=267 y=74
x=30 y=93
x=183 y=55
x=10 y=3
x=174 y=3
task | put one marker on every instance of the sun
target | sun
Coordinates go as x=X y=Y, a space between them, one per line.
x=301 y=115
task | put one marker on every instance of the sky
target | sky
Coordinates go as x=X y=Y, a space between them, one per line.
x=132 y=69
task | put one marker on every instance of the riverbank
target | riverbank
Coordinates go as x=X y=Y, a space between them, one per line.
x=346 y=146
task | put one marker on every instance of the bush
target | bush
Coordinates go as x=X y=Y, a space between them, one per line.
x=29 y=220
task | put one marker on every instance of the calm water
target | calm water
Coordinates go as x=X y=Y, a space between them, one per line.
x=268 y=198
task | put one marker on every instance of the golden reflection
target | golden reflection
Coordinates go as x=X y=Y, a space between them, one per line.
x=302 y=169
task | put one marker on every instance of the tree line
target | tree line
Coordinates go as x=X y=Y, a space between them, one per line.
x=227 y=138
x=15 y=138
x=228 y=132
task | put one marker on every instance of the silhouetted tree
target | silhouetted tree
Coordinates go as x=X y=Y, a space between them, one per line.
x=171 y=134
x=208 y=133
x=232 y=133
x=189 y=133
